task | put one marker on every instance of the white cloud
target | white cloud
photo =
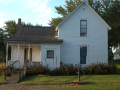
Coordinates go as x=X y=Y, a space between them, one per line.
x=41 y=10
x=36 y=11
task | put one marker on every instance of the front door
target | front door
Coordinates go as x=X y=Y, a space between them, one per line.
x=26 y=54
x=83 y=55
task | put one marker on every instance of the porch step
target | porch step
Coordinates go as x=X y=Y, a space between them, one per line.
x=13 y=79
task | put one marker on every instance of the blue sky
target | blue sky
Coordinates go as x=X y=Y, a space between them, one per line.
x=33 y=11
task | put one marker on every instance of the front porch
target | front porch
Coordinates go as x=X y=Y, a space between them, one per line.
x=24 y=52
x=35 y=53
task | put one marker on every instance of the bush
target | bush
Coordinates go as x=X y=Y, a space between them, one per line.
x=65 y=69
x=38 y=70
x=1 y=71
x=100 y=68
x=70 y=69
x=8 y=73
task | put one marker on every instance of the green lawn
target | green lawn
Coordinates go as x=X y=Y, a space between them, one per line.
x=117 y=63
x=95 y=82
x=2 y=79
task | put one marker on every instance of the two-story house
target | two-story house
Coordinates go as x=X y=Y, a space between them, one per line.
x=82 y=37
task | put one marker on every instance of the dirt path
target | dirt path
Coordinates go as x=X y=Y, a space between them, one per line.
x=18 y=86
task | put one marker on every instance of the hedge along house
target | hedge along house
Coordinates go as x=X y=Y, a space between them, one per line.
x=81 y=37
x=37 y=44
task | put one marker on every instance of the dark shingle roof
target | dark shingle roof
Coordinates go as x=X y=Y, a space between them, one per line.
x=35 y=34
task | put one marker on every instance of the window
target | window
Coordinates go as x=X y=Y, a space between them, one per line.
x=83 y=27
x=50 y=53
x=83 y=54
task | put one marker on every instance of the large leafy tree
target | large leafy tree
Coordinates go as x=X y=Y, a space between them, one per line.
x=70 y=5
x=111 y=15
x=109 y=10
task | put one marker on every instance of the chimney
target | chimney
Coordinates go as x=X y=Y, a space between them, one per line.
x=19 y=23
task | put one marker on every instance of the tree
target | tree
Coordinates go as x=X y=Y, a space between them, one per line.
x=2 y=45
x=111 y=15
x=109 y=10
x=69 y=7
x=11 y=27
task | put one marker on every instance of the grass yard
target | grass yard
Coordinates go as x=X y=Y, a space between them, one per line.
x=95 y=82
x=117 y=63
x=2 y=79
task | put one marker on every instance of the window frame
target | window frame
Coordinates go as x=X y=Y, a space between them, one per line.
x=47 y=56
x=83 y=56
x=81 y=33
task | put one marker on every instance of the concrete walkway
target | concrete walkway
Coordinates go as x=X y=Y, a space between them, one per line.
x=13 y=79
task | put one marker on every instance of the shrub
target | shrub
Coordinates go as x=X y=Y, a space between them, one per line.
x=8 y=73
x=65 y=69
x=100 y=68
x=70 y=69
x=2 y=65
x=38 y=70
x=1 y=71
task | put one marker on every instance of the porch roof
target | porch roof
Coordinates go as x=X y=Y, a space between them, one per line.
x=35 y=34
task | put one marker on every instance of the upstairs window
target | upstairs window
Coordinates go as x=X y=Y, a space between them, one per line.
x=50 y=53
x=83 y=27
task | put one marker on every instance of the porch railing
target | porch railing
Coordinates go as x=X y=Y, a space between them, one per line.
x=9 y=67
x=35 y=63
x=22 y=72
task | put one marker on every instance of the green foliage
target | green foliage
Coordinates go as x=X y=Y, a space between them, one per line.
x=100 y=68
x=2 y=45
x=70 y=69
x=65 y=69
x=38 y=70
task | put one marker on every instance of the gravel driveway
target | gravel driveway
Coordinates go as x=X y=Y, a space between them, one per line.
x=18 y=86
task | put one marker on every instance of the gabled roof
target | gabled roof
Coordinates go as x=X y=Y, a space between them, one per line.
x=35 y=34
x=84 y=2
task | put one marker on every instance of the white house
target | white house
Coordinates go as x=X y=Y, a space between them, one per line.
x=81 y=37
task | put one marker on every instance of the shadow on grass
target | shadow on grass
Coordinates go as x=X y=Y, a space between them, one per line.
x=91 y=83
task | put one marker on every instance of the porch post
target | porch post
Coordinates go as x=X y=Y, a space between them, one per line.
x=18 y=51
x=11 y=52
x=6 y=54
x=29 y=55
x=29 y=52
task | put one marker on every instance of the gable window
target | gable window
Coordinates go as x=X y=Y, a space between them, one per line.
x=50 y=53
x=83 y=54
x=83 y=27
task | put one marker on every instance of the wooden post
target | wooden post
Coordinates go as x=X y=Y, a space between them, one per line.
x=12 y=68
x=29 y=54
x=5 y=74
x=11 y=52
x=20 y=75
x=18 y=51
x=6 y=54
x=78 y=72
